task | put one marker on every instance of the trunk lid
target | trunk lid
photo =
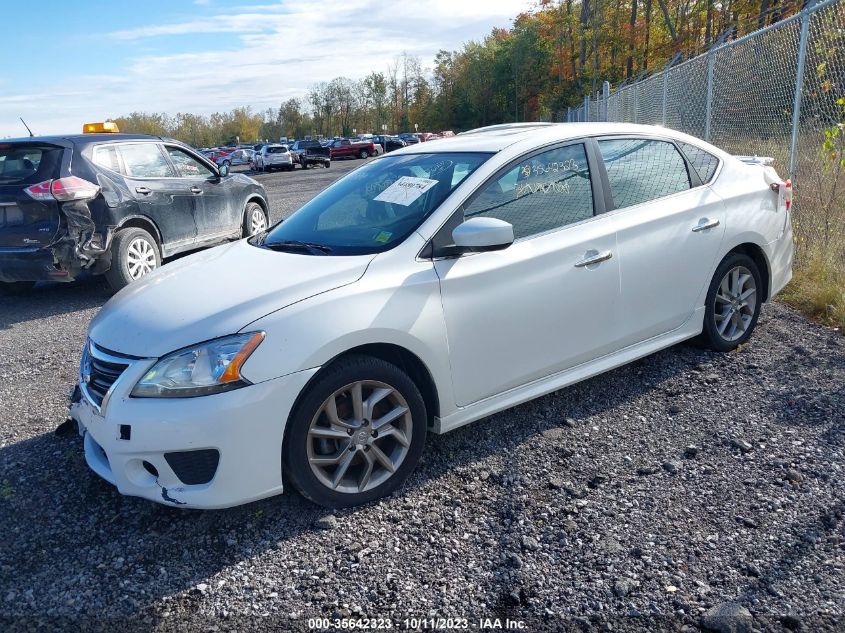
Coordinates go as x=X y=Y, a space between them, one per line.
x=25 y=222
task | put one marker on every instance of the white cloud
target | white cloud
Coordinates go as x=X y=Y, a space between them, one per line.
x=258 y=56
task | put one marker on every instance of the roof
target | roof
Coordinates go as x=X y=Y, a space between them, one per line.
x=495 y=138
x=87 y=138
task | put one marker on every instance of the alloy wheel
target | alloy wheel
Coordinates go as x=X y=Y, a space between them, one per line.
x=257 y=222
x=359 y=436
x=140 y=258
x=735 y=303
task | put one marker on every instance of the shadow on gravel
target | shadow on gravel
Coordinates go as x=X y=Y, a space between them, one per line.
x=68 y=532
x=51 y=299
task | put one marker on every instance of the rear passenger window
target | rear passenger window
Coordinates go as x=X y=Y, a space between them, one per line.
x=106 y=156
x=541 y=193
x=145 y=160
x=705 y=164
x=640 y=170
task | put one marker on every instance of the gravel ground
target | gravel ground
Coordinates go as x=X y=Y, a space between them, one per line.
x=686 y=488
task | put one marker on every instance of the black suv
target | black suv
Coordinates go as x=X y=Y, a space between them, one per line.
x=113 y=204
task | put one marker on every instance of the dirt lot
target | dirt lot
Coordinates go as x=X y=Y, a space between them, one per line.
x=638 y=500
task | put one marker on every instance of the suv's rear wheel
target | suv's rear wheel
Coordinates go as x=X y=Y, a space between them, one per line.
x=733 y=303
x=357 y=433
x=134 y=253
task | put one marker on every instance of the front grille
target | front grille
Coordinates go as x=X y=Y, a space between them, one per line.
x=194 y=467
x=100 y=374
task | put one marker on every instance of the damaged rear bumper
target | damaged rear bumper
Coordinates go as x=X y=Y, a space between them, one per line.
x=32 y=264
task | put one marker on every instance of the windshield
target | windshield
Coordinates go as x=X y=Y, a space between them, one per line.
x=375 y=207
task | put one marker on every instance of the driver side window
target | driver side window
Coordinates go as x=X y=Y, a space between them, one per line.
x=187 y=166
x=541 y=193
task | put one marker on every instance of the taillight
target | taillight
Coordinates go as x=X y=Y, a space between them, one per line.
x=41 y=191
x=787 y=194
x=63 y=189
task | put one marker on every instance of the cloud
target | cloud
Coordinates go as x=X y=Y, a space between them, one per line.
x=258 y=55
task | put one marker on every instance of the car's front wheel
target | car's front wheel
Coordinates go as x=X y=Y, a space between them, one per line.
x=356 y=434
x=255 y=220
x=733 y=303
x=364 y=154
x=134 y=253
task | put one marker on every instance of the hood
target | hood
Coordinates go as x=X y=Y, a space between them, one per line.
x=214 y=293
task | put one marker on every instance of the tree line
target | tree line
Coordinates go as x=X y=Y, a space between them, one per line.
x=551 y=57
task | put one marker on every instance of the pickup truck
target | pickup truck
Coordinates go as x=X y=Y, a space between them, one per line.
x=308 y=153
x=344 y=148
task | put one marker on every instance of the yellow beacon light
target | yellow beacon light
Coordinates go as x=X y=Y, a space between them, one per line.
x=106 y=127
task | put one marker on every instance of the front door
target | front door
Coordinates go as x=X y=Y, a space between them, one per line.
x=539 y=306
x=213 y=210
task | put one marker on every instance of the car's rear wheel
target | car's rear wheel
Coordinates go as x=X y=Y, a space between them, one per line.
x=134 y=253
x=327 y=164
x=255 y=220
x=363 y=154
x=356 y=434
x=733 y=303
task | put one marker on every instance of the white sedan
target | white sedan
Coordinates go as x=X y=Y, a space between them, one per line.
x=425 y=290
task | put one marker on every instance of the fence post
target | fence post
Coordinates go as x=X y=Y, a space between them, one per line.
x=665 y=94
x=799 y=84
x=636 y=89
x=605 y=98
x=587 y=108
x=708 y=110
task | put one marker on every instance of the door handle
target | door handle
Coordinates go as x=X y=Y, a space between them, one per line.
x=708 y=224
x=196 y=189
x=594 y=259
x=143 y=190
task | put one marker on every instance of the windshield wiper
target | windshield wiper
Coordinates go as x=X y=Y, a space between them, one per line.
x=314 y=249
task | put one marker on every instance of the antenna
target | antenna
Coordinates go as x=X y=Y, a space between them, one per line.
x=26 y=126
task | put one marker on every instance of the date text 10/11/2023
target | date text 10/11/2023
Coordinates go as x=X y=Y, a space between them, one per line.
x=416 y=624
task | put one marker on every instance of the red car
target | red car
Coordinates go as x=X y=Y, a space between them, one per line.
x=344 y=148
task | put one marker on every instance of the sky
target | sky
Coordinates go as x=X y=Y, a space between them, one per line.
x=89 y=60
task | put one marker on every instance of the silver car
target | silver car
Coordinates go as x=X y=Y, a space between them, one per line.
x=273 y=156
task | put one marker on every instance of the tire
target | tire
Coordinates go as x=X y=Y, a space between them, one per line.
x=134 y=253
x=354 y=488
x=327 y=164
x=251 y=223
x=733 y=303
x=363 y=154
x=305 y=164
x=16 y=288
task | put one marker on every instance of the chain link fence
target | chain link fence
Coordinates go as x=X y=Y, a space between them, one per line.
x=778 y=92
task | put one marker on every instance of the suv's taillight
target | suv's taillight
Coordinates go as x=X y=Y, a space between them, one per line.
x=63 y=189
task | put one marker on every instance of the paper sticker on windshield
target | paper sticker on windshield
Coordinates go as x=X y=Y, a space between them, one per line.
x=383 y=237
x=405 y=190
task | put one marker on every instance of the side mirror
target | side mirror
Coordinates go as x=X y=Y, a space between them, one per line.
x=477 y=235
x=224 y=171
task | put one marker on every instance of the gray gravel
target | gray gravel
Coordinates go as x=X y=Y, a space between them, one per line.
x=687 y=488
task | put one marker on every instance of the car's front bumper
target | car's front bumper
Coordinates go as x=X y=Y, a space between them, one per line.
x=139 y=444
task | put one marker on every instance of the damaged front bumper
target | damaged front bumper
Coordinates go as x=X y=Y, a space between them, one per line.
x=207 y=452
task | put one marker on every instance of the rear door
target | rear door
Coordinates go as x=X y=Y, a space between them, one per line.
x=159 y=193
x=25 y=222
x=214 y=210
x=669 y=230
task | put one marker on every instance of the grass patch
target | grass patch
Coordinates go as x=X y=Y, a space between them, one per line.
x=818 y=290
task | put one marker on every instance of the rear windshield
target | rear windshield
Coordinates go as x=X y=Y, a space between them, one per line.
x=27 y=164
x=277 y=150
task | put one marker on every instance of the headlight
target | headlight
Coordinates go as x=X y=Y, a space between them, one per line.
x=203 y=369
